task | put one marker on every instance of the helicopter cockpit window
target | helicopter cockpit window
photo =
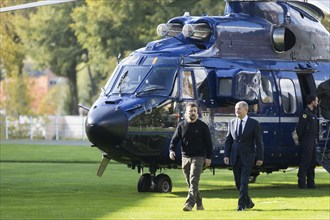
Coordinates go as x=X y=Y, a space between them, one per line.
x=130 y=78
x=160 y=81
x=266 y=92
x=187 y=85
x=203 y=91
x=288 y=96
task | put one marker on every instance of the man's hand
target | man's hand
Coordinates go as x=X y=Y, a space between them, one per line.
x=207 y=163
x=172 y=155
x=226 y=160
x=259 y=162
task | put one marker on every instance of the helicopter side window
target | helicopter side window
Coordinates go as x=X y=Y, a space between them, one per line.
x=266 y=93
x=203 y=91
x=187 y=85
x=225 y=85
x=288 y=96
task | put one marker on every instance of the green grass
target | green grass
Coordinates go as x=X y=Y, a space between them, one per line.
x=42 y=182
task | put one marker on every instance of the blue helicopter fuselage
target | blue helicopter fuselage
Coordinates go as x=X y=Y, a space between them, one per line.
x=269 y=54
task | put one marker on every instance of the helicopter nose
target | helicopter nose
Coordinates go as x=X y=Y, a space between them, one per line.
x=106 y=128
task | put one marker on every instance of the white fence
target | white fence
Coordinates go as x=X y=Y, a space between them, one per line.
x=44 y=127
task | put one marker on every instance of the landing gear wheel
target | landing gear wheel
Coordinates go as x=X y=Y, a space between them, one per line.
x=163 y=183
x=144 y=183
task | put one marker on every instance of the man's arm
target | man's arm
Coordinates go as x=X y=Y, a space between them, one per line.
x=259 y=144
x=174 y=141
x=301 y=125
x=208 y=146
x=228 y=145
x=208 y=142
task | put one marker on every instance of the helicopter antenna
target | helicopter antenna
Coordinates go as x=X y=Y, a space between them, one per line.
x=34 y=4
x=118 y=58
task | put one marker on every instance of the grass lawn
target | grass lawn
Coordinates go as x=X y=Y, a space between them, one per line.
x=60 y=182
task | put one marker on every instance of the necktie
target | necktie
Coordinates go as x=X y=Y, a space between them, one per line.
x=240 y=129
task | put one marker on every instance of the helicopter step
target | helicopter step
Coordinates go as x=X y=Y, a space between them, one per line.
x=103 y=165
x=149 y=182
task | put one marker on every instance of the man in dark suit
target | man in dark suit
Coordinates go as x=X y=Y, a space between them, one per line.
x=243 y=146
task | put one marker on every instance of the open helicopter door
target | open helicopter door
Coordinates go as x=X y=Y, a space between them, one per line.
x=323 y=148
x=307 y=86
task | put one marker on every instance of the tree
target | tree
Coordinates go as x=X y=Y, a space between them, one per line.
x=49 y=103
x=108 y=28
x=52 y=43
x=16 y=100
x=12 y=50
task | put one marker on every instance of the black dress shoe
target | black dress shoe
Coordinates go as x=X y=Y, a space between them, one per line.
x=311 y=187
x=250 y=206
x=240 y=208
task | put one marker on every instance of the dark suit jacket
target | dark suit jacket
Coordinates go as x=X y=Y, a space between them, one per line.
x=248 y=147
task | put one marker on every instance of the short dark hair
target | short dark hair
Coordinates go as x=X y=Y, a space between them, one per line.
x=192 y=104
x=310 y=98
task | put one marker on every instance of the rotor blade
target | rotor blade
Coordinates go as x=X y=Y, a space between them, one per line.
x=104 y=163
x=182 y=4
x=34 y=4
x=324 y=5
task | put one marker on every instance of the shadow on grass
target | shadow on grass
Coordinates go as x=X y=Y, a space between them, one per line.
x=267 y=191
x=273 y=210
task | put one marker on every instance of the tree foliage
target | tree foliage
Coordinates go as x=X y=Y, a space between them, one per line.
x=51 y=103
x=12 y=51
x=52 y=43
x=18 y=99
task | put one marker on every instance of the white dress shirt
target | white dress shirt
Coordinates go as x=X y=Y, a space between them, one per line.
x=243 y=124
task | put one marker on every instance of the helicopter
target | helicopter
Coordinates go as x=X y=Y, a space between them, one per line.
x=270 y=54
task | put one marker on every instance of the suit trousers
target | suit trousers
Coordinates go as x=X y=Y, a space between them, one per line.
x=241 y=175
x=307 y=161
x=192 y=168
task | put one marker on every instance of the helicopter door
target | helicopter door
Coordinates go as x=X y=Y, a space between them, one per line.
x=187 y=86
x=194 y=84
x=307 y=86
